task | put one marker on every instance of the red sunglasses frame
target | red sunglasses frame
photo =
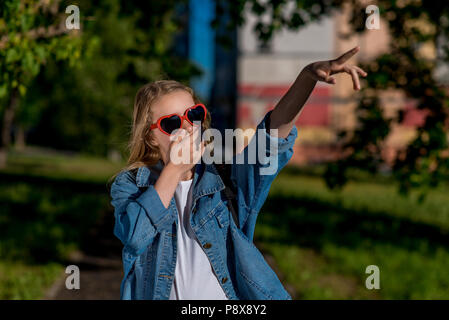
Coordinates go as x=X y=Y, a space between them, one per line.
x=184 y=116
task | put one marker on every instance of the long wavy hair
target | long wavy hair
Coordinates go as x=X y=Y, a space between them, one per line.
x=142 y=150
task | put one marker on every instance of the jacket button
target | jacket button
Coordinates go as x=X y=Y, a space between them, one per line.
x=207 y=245
x=224 y=280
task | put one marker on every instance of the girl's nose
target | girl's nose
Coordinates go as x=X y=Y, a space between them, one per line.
x=187 y=126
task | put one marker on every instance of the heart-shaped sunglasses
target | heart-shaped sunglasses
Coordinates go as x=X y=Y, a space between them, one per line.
x=169 y=123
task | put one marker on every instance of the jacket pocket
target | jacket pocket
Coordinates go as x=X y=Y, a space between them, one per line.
x=223 y=217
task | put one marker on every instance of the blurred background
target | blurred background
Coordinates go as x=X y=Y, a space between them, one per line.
x=367 y=184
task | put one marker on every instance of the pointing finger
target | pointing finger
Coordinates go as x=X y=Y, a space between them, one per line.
x=347 y=55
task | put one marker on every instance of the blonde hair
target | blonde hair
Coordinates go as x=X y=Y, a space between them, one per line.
x=142 y=151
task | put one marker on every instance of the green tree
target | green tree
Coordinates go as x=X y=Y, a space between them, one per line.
x=31 y=32
x=88 y=109
x=413 y=25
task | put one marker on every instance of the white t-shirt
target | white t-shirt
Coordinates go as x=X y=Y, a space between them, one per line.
x=195 y=278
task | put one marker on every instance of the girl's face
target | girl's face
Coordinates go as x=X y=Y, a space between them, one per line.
x=174 y=102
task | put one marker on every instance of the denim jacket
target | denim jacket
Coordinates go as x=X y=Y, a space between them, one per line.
x=148 y=230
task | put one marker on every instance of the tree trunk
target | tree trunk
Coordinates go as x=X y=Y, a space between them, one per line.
x=8 y=118
x=19 y=142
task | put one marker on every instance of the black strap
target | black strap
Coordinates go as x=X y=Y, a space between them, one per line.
x=224 y=170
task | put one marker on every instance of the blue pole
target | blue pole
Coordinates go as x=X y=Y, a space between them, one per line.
x=202 y=45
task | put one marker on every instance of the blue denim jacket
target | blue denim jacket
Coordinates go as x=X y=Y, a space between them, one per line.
x=148 y=230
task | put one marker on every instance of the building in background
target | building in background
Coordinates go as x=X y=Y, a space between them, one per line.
x=266 y=73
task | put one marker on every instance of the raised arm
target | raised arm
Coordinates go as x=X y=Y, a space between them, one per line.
x=289 y=107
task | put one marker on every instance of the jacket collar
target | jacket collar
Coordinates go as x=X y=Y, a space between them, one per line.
x=146 y=175
x=206 y=179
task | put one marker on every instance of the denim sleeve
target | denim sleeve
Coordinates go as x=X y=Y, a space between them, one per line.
x=138 y=215
x=254 y=178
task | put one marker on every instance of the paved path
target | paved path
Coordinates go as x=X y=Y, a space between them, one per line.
x=99 y=263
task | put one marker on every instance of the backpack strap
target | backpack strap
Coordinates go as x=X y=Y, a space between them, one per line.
x=224 y=170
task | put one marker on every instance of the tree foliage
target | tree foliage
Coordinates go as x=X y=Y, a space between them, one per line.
x=414 y=26
x=88 y=108
x=30 y=33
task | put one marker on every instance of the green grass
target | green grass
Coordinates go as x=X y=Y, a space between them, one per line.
x=48 y=203
x=37 y=163
x=323 y=241
x=19 y=280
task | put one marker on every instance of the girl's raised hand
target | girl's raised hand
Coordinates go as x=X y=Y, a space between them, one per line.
x=323 y=70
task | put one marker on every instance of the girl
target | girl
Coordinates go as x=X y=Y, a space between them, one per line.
x=180 y=241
